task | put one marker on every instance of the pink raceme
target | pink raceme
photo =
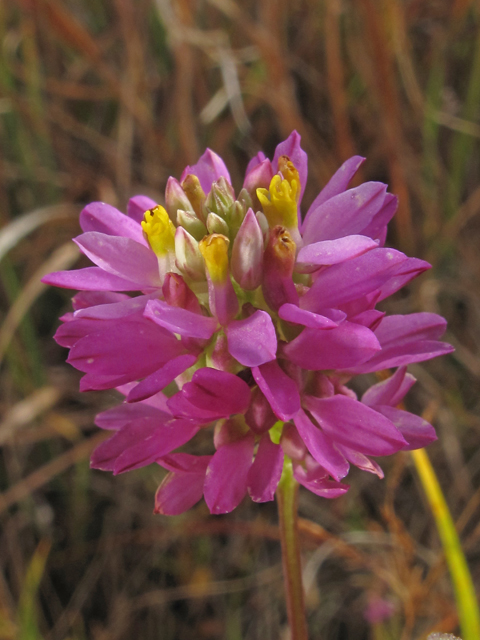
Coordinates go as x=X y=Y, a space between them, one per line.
x=243 y=318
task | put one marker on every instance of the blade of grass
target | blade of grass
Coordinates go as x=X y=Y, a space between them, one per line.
x=27 y=610
x=464 y=590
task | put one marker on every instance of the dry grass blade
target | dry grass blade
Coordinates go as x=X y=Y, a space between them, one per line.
x=27 y=410
x=62 y=258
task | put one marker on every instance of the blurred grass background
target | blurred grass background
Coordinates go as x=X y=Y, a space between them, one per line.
x=101 y=100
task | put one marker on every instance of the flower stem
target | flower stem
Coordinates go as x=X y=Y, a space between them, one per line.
x=467 y=605
x=287 y=498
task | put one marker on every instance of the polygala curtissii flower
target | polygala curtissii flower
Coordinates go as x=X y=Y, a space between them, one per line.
x=249 y=320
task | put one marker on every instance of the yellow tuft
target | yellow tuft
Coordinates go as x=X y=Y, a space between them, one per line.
x=290 y=173
x=159 y=230
x=214 y=249
x=280 y=202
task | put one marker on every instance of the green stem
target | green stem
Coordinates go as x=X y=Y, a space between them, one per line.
x=467 y=605
x=287 y=498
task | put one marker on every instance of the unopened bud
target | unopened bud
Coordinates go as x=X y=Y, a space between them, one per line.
x=188 y=257
x=175 y=199
x=221 y=198
x=216 y=224
x=192 y=224
x=258 y=178
x=247 y=253
x=278 y=262
x=195 y=194
x=177 y=293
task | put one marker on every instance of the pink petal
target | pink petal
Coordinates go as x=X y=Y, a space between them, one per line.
x=85 y=299
x=337 y=183
x=158 y=380
x=404 y=273
x=354 y=425
x=133 y=347
x=255 y=161
x=181 y=321
x=252 y=341
x=266 y=470
x=259 y=415
x=317 y=483
x=377 y=227
x=351 y=280
x=321 y=447
x=328 y=252
x=361 y=461
x=115 y=310
x=320 y=349
x=390 y=391
x=118 y=417
x=416 y=431
x=102 y=217
x=345 y=214
x=218 y=391
x=89 y=279
x=164 y=439
x=227 y=475
x=292 y=313
x=280 y=390
x=122 y=257
x=208 y=169
x=106 y=454
x=138 y=205
x=71 y=332
x=178 y=493
x=185 y=463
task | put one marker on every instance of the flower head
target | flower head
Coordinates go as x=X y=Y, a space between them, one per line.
x=255 y=319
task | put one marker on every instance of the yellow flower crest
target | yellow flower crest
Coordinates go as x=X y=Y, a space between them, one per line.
x=279 y=203
x=290 y=173
x=159 y=230
x=214 y=249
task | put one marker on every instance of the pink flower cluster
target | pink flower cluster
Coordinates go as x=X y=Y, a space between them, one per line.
x=251 y=320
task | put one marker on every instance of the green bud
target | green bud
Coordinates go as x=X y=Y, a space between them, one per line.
x=192 y=224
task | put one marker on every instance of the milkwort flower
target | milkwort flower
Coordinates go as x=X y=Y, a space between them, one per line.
x=255 y=320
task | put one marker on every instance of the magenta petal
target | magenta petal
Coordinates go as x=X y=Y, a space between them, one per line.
x=138 y=205
x=266 y=470
x=102 y=217
x=328 y=252
x=117 y=417
x=122 y=257
x=280 y=390
x=291 y=148
x=158 y=380
x=115 y=310
x=403 y=274
x=337 y=183
x=345 y=214
x=106 y=454
x=226 y=478
x=362 y=462
x=133 y=347
x=321 y=447
x=258 y=176
x=376 y=229
x=317 y=483
x=71 y=332
x=181 y=321
x=255 y=161
x=164 y=439
x=319 y=349
x=89 y=279
x=208 y=169
x=354 y=425
x=390 y=391
x=217 y=391
x=185 y=463
x=96 y=382
x=416 y=431
x=294 y=314
x=178 y=493
x=85 y=299
x=347 y=281
x=252 y=341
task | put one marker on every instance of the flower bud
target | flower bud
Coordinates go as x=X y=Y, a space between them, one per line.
x=195 y=194
x=192 y=224
x=228 y=431
x=216 y=224
x=258 y=178
x=176 y=199
x=177 y=293
x=221 y=198
x=235 y=218
x=259 y=415
x=278 y=262
x=247 y=253
x=188 y=257
x=279 y=205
